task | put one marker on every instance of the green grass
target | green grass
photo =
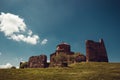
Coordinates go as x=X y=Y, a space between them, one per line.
x=78 y=71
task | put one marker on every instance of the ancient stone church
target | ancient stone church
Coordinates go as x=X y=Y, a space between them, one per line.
x=63 y=56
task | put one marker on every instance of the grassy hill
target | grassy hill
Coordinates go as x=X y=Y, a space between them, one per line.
x=78 y=71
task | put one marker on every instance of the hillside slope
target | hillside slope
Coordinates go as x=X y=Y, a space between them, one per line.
x=78 y=71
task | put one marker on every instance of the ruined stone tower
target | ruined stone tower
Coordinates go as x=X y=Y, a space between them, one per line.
x=96 y=51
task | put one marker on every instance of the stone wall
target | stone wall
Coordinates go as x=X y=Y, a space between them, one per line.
x=80 y=58
x=38 y=61
x=96 y=51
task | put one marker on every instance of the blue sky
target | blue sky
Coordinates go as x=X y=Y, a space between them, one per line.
x=71 y=21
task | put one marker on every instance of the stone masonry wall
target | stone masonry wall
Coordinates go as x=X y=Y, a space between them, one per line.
x=96 y=51
x=37 y=61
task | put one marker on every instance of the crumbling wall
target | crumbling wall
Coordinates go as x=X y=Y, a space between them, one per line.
x=96 y=51
x=38 y=61
x=80 y=58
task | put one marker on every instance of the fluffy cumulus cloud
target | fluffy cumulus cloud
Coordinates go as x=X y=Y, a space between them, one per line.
x=44 y=42
x=7 y=65
x=28 y=39
x=10 y=24
x=15 y=28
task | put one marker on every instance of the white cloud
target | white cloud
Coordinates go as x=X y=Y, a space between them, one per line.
x=15 y=28
x=10 y=23
x=44 y=42
x=48 y=60
x=28 y=39
x=30 y=32
x=8 y=65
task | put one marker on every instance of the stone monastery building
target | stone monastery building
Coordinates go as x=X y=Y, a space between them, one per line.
x=63 y=56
